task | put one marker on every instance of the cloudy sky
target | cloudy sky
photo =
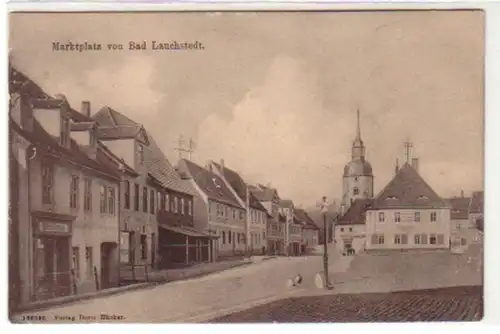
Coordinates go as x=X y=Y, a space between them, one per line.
x=275 y=94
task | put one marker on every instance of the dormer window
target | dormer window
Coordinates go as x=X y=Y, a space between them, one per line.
x=422 y=197
x=140 y=151
x=64 y=137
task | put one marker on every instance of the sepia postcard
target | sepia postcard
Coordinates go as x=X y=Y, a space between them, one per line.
x=246 y=167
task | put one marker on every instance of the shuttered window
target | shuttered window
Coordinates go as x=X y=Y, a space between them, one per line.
x=424 y=239
x=374 y=239
x=440 y=239
x=404 y=239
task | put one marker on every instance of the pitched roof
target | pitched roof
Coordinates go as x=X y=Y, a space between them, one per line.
x=287 y=203
x=356 y=214
x=239 y=186
x=81 y=126
x=304 y=217
x=44 y=142
x=408 y=190
x=263 y=193
x=114 y=125
x=213 y=186
x=459 y=207
x=477 y=202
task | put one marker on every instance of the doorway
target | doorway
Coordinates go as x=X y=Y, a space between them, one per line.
x=52 y=267
x=108 y=249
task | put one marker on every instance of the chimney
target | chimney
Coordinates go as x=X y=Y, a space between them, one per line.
x=462 y=193
x=222 y=165
x=86 y=108
x=414 y=163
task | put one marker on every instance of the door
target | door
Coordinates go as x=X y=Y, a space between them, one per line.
x=153 y=250
x=107 y=249
x=52 y=275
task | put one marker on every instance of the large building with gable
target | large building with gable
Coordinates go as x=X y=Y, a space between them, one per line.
x=408 y=213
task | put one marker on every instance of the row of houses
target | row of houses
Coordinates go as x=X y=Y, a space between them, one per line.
x=92 y=192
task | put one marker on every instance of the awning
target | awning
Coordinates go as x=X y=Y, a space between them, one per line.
x=185 y=230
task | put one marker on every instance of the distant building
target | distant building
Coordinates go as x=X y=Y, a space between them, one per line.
x=256 y=212
x=350 y=228
x=156 y=224
x=276 y=221
x=293 y=229
x=464 y=230
x=65 y=222
x=310 y=231
x=358 y=174
x=218 y=211
x=476 y=209
x=408 y=213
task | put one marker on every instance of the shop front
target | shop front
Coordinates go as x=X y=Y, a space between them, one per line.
x=51 y=260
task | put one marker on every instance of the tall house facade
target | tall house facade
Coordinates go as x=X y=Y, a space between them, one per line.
x=66 y=220
x=293 y=228
x=256 y=224
x=276 y=221
x=154 y=199
x=358 y=175
x=218 y=211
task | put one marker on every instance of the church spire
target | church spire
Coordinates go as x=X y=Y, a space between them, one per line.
x=358 y=129
x=358 y=147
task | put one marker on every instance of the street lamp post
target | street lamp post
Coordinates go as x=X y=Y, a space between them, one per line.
x=324 y=210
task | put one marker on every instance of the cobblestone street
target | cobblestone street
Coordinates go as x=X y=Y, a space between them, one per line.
x=447 y=304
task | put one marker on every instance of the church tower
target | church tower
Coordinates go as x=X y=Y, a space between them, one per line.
x=358 y=175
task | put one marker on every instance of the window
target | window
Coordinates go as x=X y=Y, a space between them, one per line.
x=381 y=217
x=234 y=214
x=102 y=191
x=152 y=201
x=87 y=194
x=136 y=197
x=190 y=207
x=144 y=247
x=145 y=199
x=140 y=151
x=229 y=237
x=73 y=192
x=433 y=216
x=182 y=206
x=167 y=202
x=175 y=204
x=417 y=216
x=417 y=239
x=380 y=239
x=111 y=200
x=350 y=229
x=47 y=183
x=355 y=191
x=432 y=239
x=377 y=239
x=463 y=241
x=126 y=202
x=341 y=229
x=89 y=264
x=76 y=261
x=397 y=239
x=223 y=237
x=404 y=239
x=440 y=239
x=242 y=215
x=160 y=204
x=397 y=217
